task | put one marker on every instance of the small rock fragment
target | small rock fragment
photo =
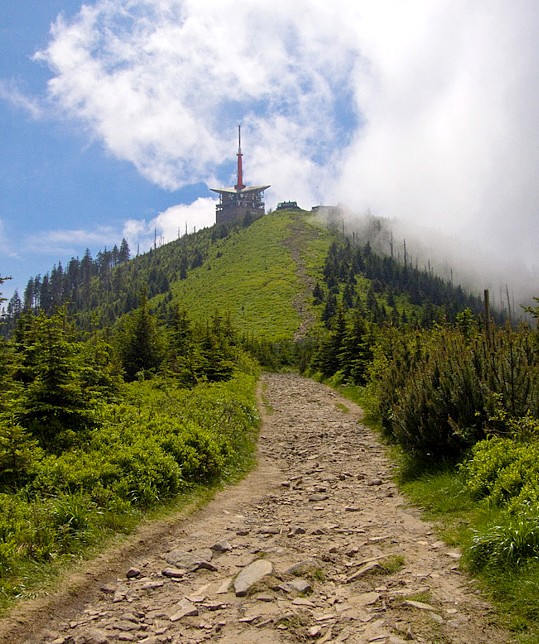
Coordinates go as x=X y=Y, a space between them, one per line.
x=151 y=585
x=368 y=567
x=133 y=573
x=318 y=497
x=420 y=605
x=250 y=575
x=184 y=609
x=173 y=573
x=303 y=566
x=269 y=530
x=191 y=561
x=300 y=585
x=221 y=546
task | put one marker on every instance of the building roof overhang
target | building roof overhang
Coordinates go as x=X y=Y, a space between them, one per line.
x=233 y=191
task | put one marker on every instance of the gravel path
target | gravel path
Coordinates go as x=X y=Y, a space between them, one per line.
x=316 y=545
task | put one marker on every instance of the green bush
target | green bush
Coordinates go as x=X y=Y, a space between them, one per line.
x=198 y=453
x=148 y=474
x=74 y=470
x=441 y=391
x=505 y=471
x=158 y=441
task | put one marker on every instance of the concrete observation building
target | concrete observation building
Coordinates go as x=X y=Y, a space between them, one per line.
x=240 y=200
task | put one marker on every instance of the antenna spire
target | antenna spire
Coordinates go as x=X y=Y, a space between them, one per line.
x=240 y=185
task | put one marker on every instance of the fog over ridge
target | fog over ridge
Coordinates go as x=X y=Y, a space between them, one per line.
x=422 y=112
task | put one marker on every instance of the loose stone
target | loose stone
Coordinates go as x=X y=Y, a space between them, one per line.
x=250 y=575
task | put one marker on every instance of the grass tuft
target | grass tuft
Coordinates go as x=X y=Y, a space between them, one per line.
x=511 y=543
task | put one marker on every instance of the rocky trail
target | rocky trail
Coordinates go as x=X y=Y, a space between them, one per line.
x=316 y=545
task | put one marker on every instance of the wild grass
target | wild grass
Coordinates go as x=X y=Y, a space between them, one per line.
x=500 y=551
x=253 y=276
x=392 y=564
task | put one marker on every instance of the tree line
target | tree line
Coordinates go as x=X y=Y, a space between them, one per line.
x=97 y=291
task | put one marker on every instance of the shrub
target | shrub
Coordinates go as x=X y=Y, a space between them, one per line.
x=74 y=470
x=505 y=471
x=147 y=448
x=148 y=474
x=198 y=453
x=441 y=391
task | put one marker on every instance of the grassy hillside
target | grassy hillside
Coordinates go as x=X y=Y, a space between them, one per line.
x=262 y=275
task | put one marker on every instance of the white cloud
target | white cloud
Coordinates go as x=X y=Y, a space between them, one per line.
x=10 y=93
x=425 y=110
x=141 y=234
x=451 y=137
x=62 y=243
x=7 y=247
x=169 y=224
x=163 y=83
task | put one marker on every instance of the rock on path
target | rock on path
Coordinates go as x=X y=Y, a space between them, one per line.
x=316 y=545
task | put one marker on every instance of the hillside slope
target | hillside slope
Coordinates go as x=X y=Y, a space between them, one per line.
x=262 y=276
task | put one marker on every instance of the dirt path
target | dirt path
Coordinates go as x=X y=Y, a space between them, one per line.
x=343 y=557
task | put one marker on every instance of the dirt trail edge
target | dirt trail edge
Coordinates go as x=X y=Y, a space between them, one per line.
x=315 y=545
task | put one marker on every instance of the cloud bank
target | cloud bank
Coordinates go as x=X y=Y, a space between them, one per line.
x=424 y=111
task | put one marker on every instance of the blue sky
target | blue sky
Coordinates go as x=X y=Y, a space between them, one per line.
x=118 y=115
x=54 y=176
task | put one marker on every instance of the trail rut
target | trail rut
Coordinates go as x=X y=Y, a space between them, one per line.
x=341 y=556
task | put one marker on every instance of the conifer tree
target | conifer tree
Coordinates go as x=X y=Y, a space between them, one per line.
x=55 y=402
x=139 y=342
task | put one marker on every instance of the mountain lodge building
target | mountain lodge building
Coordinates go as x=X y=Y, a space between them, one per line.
x=240 y=200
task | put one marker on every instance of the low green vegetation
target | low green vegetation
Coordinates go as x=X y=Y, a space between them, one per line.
x=93 y=435
x=499 y=548
x=392 y=564
x=159 y=442
x=253 y=277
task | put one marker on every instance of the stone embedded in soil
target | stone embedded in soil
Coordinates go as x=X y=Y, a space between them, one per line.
x=420 y=605
x=250 y=575
x=269 y=529
x=297 y=530
x=132 y=573
x=191 y=561
x=224 y=587
x=365 y=599
x=221 y=546
x=318 y=497
x=364 y=570
x=173 y=573
x=152 y=585
x=298 y=585
x=184 y=609
x=303 y=567
x=94 y=636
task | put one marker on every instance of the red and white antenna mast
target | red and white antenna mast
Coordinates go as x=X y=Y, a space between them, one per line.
x=240 y=185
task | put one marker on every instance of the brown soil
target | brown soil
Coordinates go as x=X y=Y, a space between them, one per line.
x=322 y=496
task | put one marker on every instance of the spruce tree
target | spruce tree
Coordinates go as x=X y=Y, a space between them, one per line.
x=139 y=342
x=55 y=402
